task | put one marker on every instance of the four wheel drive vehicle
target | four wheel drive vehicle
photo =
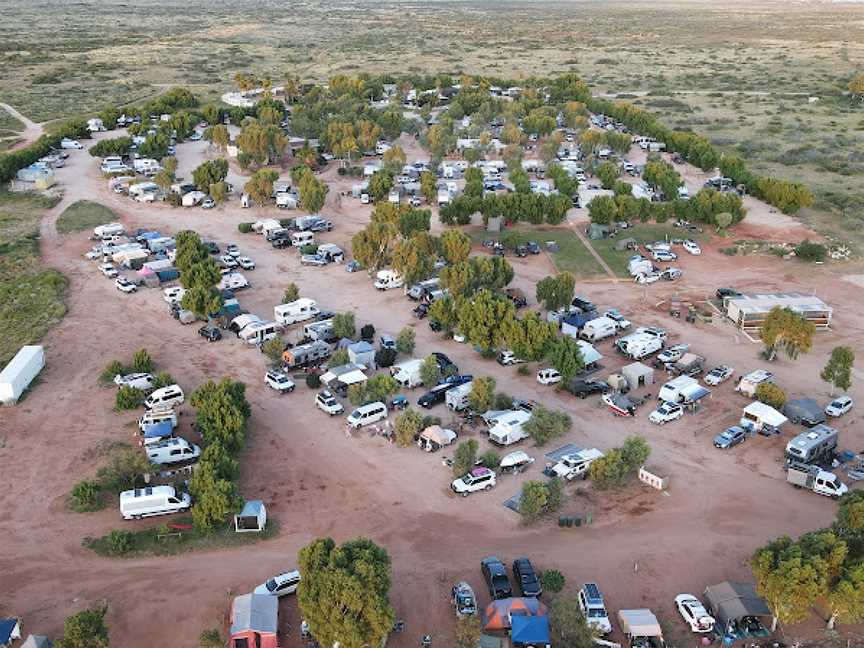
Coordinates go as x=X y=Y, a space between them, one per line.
x=507 y=357
x=692 y=247
x=173 y=295
x=583 y=304
x=814 y=478
x=839 y=406
x=124 y=285
x=233 y=249
x=463 y=600
x=172 y=451
x=666 y=412
x=210 y=333
x=142 y=381
x=672 y=354
x=246 y=263
x=387 y=342
x=594 y=608
x=718 y=375
x=279 y=381
x=575 y=465
x=516 y=296
x=281 y=243
x=367 y=414
x=647 y=277
x=280 y=585
x=663 y=255
x=533 y=247
x=445 y=364
x=671 y=274
x=730 y=437
x=313 y=260
x=228 y=261
x=548 y=376
x=108 y=270
x=526 y=577
x=694 y=613
x=495 y=575
x=620 y=321
x=584 y=388
x=164 y=398
x=153 y=500
x=478 y=479
x=326 y=402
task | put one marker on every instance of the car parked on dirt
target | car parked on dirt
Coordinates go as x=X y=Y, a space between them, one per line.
x=124 y=285
x=594 y=608
x=526 y=577
x=694 y=613
x=548 y=376
x=584 y=388
x=313 y=260
x=280 y=585
x=326 y=402
x=665 y=413
x=108 y=270
x=210 y=333
x=719 y=374
x=475 y=480
x=839 y=406
x=245 y=262
x=692 y=247
x=495 y=576
x=730 y=437
x=279 y=381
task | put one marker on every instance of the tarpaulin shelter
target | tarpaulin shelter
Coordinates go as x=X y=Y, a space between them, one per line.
x=254 y=621
x=530 y=631
x=498 y=614
x=729 y=602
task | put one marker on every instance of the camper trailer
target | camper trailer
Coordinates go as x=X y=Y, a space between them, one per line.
x=641 y=628
x=457 y=398
x=639 y=345
x=296 y=311
x=259 y=332
x=407 y=374
x=322 y=330
x=748 y=384
x=509 y=428
x=387 y=279
x=675 y=391
x=817 y=444
x=598 y=329
x=305 y=354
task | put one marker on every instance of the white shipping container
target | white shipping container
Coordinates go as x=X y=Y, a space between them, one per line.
x=20 y=372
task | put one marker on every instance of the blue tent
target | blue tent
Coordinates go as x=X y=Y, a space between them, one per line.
x=529 y=631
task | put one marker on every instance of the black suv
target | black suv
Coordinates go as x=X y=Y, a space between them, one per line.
x=584 y=388
x=524 y=574
x=583 y=304
x=210 y=333
x=444 y=363
x=280 y=243
x=495 y=575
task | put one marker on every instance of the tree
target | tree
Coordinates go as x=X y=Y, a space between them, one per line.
x=556 y=292
x=344 y=594
x=608 y=174
x=850 y=516
x=394 y=159
x=533 y=500
x=529 y=337
x=218 y=135
x=260 y=185
x=86 y=629
x=468 y=632
x=128 y=398
x=373 y=245
x=211 y=638
x=202 y=300
x=216 y=499
x=381 y=387
x=838 y=370
x=189 y=249
x=222 y=412
x=219 y=192
x=788 y=581
x=343 y=325
x=465 y=457
x=787 y=330
x=313 y=193
x=568 y=626
x=291 y=294
x=261 y=143
x=430 y=372
x=481 y=394
x=723 y=220
x=408 y=425
x=635 y=451
x=380 y=184
x=414 y=221
x=454 y=246
x=770 y=394
x=566 y=356
x=552 y=580
x=481 y=318
x=429 y=186
x=405 y=341
x=547 y=424
x=846 y=595
x=414 y=258
x=339 y=357
x=209 y=172
x=385 y=357
x=602 y=210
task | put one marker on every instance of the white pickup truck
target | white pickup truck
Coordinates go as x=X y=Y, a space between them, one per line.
x=575 y=465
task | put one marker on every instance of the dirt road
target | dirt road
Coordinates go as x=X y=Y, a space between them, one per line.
x=32 y=131
x=643 y=548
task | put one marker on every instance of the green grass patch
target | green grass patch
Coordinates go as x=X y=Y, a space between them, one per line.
x=84 y=215
x=647 y=233
x=31 y=296
x=164 y=540
x=572 y=255
x=10 y=123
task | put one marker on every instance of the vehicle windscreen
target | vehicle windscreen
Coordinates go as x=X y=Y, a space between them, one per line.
x=271 y=585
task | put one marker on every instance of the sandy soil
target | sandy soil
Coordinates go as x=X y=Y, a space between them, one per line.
x=31 y=131
x=643 y=548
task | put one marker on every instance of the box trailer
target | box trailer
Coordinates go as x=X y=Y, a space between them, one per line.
x=598 y=329
x=641 y=627
x=20 y=372
x=747 y=384
x=304 y=354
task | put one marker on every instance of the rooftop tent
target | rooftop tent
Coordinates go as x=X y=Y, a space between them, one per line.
x=638 y=375
x=498 y=614
x=590 y=355
x=252 y=518
x=530 y=631
x=730 y=601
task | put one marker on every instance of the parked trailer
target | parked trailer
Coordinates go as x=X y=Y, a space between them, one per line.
x=20 y=372
x=305 y=354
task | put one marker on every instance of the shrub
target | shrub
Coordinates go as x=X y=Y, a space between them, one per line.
x=809 y=251
x=367 y=332
x=620 y=463
x=546 y=424
x=490 y=459
x=339 y=357
x=405 y=341
x=771 y=394
x=313 y=381
x=523 y=370
x=210 y=639
x=86 y=496
x=385 y=358
x=141 y=361
x=124 y=471
x=502 y=401
x=729 y=251
x=119 y=542
x=128 y=398
x=464 y=457
x=343 y=325
x=291 y=294
x=163 y=379
x=244 y=228
x=174 y=199
x=552 y=580
x=408 y=425
x=532 y=503
x=112 y=369
x=273 y=349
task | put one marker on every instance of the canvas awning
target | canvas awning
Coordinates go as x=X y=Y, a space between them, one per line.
x=353 y=377
x=590 y=355
x=439 y=435
x=694 y=393
x=730 y=601
x=530 y=631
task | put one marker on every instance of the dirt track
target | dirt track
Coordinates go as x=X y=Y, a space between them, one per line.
x=31 y=131
x=316 y=481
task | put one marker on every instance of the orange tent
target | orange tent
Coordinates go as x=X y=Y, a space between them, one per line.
x=497 y=614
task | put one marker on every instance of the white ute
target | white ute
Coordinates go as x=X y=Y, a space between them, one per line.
x=576 y=465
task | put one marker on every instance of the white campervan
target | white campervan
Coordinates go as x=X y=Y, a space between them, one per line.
x=296 y=311
x=367 y=414
x=153 y=500
x=299 y=239
x=259 y=332
x=172 y=451
x=156 y=417
x=164 y=398
x=598 y=329
x=387 y=279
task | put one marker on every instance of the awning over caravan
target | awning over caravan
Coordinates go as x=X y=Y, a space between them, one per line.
x=694 y=393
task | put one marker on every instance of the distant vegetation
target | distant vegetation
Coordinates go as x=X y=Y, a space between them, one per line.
x=84 y=215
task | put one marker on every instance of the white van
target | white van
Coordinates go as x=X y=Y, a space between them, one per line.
x=299 y=239
x=387 y=279
x=367 y=414
x=164 y=398
x=296 y=311
x=599 y=328
x=259 y=332
x=153 y=500
x=156 y=417
x=108 y=229
x=172 y=451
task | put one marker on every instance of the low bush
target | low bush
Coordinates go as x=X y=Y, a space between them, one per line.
x=244 y=228
x=86 y=496
x=490 y=459
x=771 y=394
x=552 y=580
x=806 y=250
x=119 y=542
x=112 y=369
x=313 y=381
x=128 y=398
x=141 y=361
